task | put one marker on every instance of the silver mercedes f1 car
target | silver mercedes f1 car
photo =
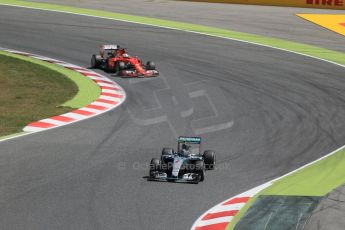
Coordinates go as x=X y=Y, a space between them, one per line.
x=187 y=164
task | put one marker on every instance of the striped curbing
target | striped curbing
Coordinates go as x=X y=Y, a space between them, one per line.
x=218 y=217
x=112 y=95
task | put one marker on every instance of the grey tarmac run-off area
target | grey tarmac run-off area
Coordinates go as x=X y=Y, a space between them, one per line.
x=270 y=21
x=285 y=110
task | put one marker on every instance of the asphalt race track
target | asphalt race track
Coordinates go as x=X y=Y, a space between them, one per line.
x=265 y=112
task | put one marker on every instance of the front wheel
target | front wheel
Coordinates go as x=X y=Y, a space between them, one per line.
x=200 y=170
x=154 y=166
x=119 y=66
x=210 y=159
x=150 y=65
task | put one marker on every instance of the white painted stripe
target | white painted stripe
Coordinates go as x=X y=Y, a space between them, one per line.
x=254 y=191
x=107 y=81
x=115 y=93
x=110 y=98
x=67 y=65
x=54 y=122
x=98 y=78
x=107 y=84
x=91 y=110
x=223 y=208
x=102 y=104
x=110 y=84
x=225 y=219
x=111 y=91
x=54 y=61
x=16 y=52
x=74 y=115
x=43 y=58
x=85 y=71
x=120 y=92
x=32 y=129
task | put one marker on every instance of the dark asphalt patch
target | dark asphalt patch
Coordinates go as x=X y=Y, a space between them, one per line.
x=278 y=212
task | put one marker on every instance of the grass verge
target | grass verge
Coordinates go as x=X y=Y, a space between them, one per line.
x=88 y=90
x=31 y=90
x=315 y=180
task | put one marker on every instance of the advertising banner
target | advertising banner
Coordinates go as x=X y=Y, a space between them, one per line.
x=323 y=4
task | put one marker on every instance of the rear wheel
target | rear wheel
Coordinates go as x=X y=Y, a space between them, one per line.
x=95 y=61
x=167 y=151
x=154 y=166
x=210 y=159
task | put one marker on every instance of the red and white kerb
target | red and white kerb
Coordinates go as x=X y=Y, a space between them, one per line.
x=218 y=217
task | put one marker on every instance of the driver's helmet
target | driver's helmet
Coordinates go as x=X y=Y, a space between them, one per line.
x=113 y=53
x=185 y=149
x=125 y=55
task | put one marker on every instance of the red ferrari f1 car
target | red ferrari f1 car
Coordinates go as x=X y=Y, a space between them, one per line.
x=114 y=59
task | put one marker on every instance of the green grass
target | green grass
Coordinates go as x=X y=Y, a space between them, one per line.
x=20 y=83
x=316 y=180
x=30 y=92
x=88 y=91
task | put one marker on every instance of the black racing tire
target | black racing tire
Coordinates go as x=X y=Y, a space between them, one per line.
x=95 y=61
x=166 y=166
x=150 y=65
x=200 y=170
x=167 y=151
x=154 y=165
x=210 y=159
x=119 y=66
x=107 y=68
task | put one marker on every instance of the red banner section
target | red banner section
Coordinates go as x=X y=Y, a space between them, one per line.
x=323 y=4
